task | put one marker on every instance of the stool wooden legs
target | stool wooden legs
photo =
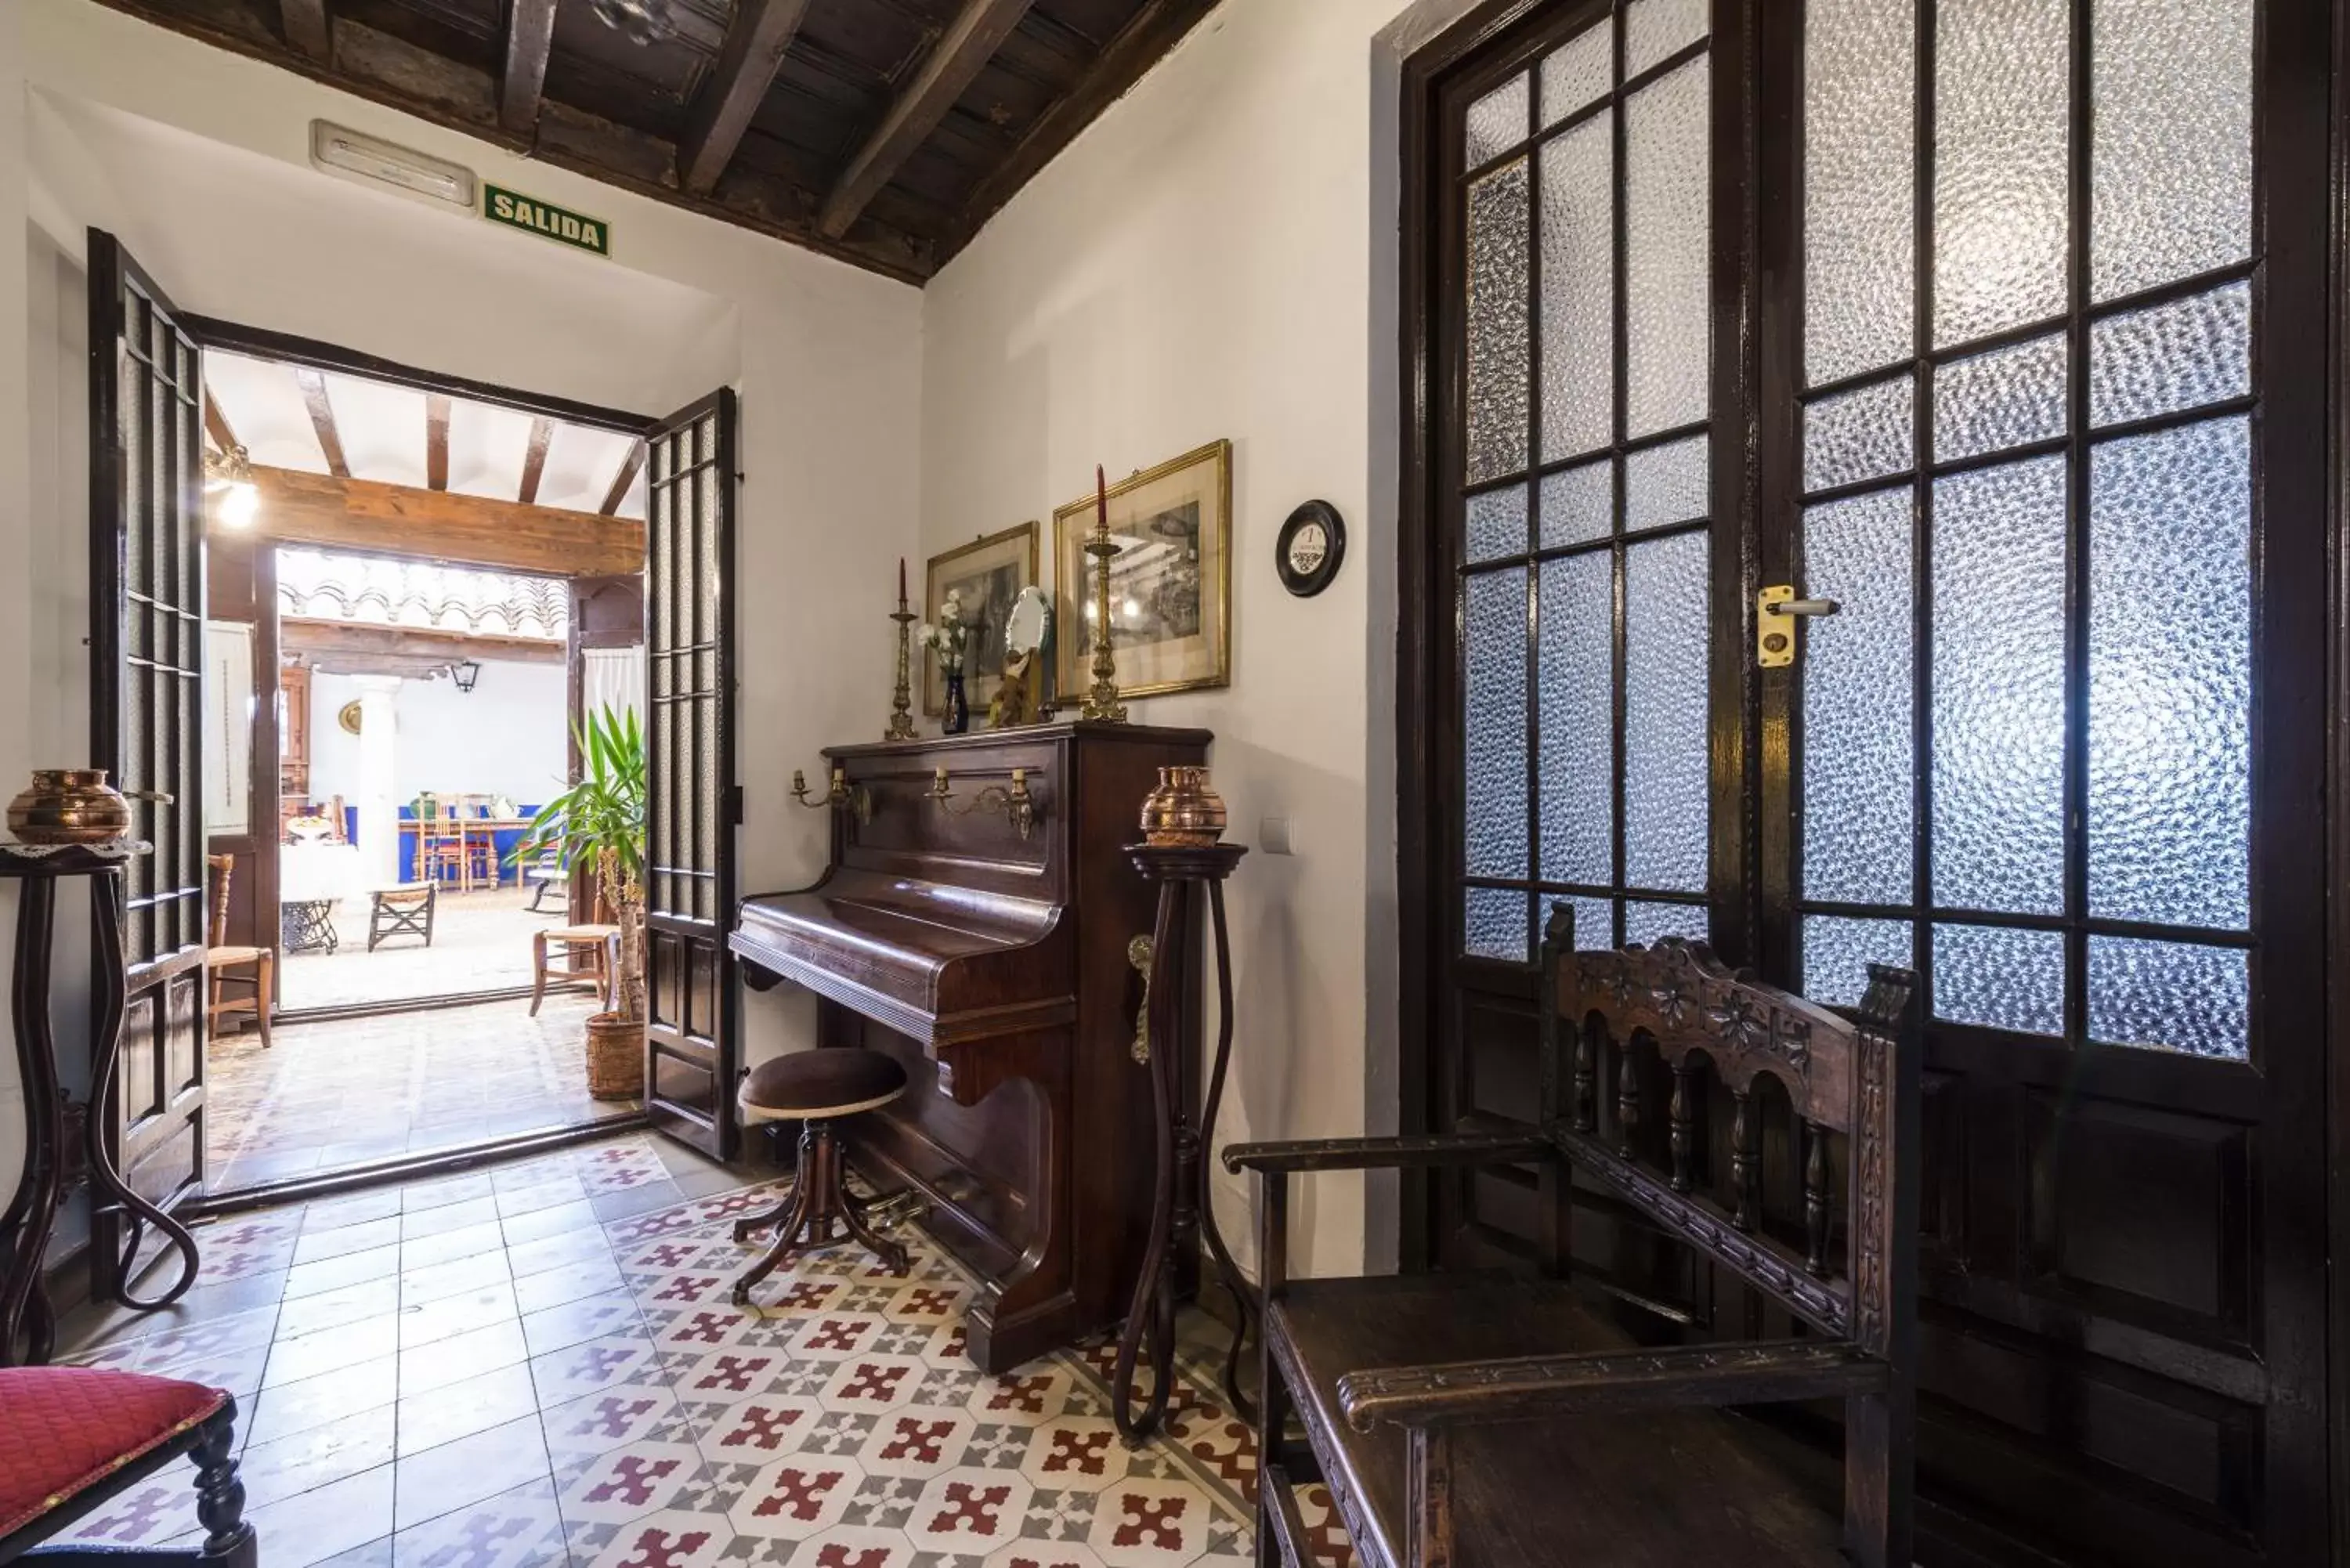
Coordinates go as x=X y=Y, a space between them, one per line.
x=804 y=1221
x=538 y=971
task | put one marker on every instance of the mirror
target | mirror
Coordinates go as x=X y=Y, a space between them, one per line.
x=1024 y=629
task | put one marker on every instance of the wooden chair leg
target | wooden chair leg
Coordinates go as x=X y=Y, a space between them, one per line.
x=263 y=989
x=229 y=1539
x=538 y=971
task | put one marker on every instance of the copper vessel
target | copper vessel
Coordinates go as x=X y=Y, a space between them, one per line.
x=1183 y=810
x=68 y=806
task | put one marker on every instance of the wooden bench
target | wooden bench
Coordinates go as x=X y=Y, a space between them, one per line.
x=1473 y=1421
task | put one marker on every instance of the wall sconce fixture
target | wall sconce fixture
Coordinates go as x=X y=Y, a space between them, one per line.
x=228 y=475
x=1018 y=806
x=856 y=798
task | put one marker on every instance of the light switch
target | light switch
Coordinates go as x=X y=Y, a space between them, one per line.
x=1273 y=835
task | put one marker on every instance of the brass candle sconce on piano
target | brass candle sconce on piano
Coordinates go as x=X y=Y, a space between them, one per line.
x=1018 y=806
x=855 y=798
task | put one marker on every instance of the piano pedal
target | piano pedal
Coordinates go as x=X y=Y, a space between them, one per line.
x=895 y=1211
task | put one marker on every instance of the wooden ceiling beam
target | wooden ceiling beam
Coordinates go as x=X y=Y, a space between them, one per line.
x=363 y=516
x=216 y=425
x=530 y=38
x=312 y=383
x=754 y=52
x=967 y=45
x=534 y=460
x=305 y=22
x=625 y=478
x=436 y=441
x=323 y=641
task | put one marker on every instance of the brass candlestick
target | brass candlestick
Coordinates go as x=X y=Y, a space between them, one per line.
x=901 y=706
x=1101 y=702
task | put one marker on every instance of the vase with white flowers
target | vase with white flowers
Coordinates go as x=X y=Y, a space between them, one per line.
x=948 y=638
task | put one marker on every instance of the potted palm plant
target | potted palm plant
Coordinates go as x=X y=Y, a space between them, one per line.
x=599 y=822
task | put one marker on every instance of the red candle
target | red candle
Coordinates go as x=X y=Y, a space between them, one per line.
x=1101 y=496
x=901 y=582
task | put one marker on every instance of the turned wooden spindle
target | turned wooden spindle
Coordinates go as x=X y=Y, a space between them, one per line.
x=1682 y=1120
x=1587 y=1073
x=1627 y=1102
x=1745 y=1158
x=1815 y=1200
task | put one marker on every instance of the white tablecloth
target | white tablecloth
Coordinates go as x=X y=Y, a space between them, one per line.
x=308 y=871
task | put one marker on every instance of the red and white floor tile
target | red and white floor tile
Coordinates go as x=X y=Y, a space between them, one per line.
x=496 y=1371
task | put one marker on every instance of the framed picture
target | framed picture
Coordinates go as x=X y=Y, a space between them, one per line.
x=1169 y=584
x=988 y=574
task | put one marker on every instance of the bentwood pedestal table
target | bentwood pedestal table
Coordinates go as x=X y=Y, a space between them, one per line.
x=28 y=1322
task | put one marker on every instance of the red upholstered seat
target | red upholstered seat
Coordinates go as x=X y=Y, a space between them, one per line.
x=65 y=1428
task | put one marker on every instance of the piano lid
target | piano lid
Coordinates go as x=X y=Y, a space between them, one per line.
x=934 y=961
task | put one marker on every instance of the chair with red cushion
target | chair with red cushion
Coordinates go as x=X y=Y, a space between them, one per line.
x=74 y=1438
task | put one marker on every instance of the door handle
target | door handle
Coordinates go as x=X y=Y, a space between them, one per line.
x=1774 y=636
x=155 y=797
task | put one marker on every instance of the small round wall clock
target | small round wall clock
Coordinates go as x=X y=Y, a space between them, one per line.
x=1311 y=545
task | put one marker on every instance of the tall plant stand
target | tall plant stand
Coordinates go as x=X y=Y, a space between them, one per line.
x=1182 y=1212
x=27 y=1322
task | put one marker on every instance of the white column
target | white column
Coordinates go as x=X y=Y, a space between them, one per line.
x=379 y=864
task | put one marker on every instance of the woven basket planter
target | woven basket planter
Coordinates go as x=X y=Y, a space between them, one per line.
x=616 y=1057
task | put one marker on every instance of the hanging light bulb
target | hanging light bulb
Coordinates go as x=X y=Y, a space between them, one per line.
x=239 y=505
x=228 y=477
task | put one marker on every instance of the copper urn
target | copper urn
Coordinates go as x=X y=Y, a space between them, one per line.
x=68 y=806
x=1183 y=811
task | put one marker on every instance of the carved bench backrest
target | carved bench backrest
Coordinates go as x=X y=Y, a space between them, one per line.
x=1853 y=1076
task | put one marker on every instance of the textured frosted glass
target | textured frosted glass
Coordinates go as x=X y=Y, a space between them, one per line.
x=2008 y=398
x=1594 y=921
x=1858 y=762
x=1666 y=483
x=1497 y=121
x=1497 y=323
x=1656 y=30
x=1666 y=194
x=1651 y=923
x=2170 y=534
x=1578 y=504
x=1860 y=434
x=1496 y=755
x=2171 y=156
x=1860 y=78
x=1837 y=952
x=2171 y=357
x=1578 y=748
x=1577 y=71
x=2000 y=977
x=2171 y=996
x=1666 y=619
x=1493 y=924
x=1495 y=523
x=1999 y=688
x=1999 y=182
x=1578 y=288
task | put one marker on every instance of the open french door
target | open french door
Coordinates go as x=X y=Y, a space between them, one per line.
x=147 y=628
x=692 y=1033
x=2007 y=335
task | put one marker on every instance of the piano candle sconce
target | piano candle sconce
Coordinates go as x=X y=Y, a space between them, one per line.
x=1018 y=806
x=856 y=798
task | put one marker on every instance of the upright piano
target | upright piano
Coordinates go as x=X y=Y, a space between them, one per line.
x=995 y=962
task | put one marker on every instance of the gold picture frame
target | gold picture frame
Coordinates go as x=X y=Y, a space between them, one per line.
x=990 y=571
x=1170 y=585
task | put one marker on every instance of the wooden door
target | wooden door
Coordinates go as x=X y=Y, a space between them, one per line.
x=2014 y=344
x=690 y=1033
x=147 y=621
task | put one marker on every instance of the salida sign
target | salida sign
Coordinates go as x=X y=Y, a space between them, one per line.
x=517 y=211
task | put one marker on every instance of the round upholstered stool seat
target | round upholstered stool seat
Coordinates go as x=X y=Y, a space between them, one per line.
x=819 y=1084
x=814 y=1088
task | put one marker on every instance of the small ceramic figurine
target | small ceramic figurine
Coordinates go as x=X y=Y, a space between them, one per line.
x=947 y=640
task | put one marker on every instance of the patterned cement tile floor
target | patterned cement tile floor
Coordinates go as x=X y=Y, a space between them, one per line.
x=539 y=1365
x=345 y=1091
x=481 y=941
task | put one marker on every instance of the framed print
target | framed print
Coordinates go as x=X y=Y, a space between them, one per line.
x=988 y=574
x=1169 y=584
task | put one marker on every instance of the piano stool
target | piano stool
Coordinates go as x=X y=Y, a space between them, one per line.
x=816 y=1088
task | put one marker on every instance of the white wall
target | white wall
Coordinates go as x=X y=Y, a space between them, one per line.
x=1216 y=256
x=197 y=159
x=505 y=737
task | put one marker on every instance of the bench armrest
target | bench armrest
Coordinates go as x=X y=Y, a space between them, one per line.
x=1469 y=1393
x=1379 y=1153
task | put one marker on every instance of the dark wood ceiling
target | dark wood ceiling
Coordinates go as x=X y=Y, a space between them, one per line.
x=884 y=132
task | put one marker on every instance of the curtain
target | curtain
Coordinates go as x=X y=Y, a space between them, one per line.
x=613 y=677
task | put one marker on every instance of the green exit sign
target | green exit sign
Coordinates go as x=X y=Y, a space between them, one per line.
x=560 y=225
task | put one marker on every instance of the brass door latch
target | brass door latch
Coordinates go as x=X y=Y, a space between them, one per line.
x=1775 y=609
